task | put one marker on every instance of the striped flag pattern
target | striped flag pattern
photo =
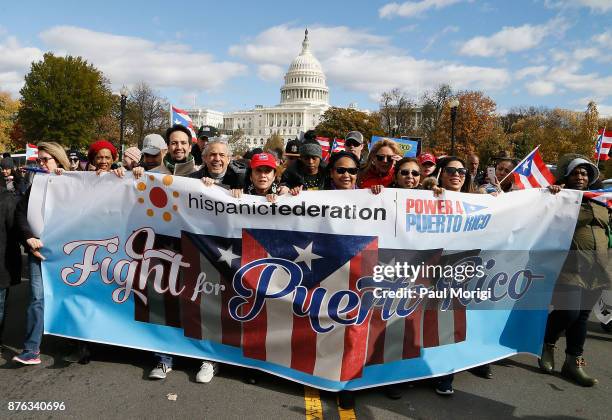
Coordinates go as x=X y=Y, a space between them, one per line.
x=324 y=142
x=603 y=196
x=532 y=172
x=181 y=117
x=337 y=146
x=603 y=145
x=31 y=152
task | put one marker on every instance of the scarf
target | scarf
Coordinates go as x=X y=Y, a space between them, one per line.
x=171 y=164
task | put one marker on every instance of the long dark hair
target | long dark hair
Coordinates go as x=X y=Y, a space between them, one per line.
x=335 y=157
x=443 y=163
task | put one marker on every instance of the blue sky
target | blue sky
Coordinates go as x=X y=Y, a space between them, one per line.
x=232 y=55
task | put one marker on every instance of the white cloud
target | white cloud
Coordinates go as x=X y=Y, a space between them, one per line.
x=605 y=39
x=357 y=60
x=530 y=71
x=129 y=60
x=604 y=110
x=601 y=6
x=15 y=61
x=270 y=72
x=439 y=35
x=413 y=8
x=512 y=39
x=541 y=88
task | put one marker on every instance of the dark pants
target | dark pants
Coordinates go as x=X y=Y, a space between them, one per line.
x=575 y=305
x=4 y=294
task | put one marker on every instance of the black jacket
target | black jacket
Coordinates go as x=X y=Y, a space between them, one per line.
x=294 y=176
x=19 y=183
x=10 y=252
x=234 y=177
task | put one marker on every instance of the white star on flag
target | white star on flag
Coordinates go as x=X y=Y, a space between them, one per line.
x=306 y=255
x=227 y=255
x=526 y=166
x=177 y=121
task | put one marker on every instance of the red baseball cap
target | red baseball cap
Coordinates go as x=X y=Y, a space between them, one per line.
x=263 y=159
x=427 y=157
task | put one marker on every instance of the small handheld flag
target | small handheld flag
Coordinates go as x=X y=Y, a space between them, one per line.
x=31 y=152
x=603 y=197
x=603 y=145
x=532 y=172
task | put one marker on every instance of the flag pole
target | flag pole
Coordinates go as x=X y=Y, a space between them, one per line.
x=520 y=163
x=170 y=114
x=603 y=134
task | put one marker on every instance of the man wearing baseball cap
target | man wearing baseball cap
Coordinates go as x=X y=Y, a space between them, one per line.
x=154 y=150
x=292 y=150
x=428 y=164
x=204 y=134
x=353 y=142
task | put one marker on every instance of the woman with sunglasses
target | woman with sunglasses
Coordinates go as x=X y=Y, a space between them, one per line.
x=407 y=174
x=51 y=158
x=379 y=171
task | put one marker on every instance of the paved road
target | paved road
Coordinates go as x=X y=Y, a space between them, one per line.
x=114 y=385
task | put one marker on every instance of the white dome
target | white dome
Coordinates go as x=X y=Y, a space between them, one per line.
x=305 y=81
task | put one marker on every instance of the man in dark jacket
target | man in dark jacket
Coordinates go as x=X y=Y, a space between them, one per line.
x=11 y=179
x=308 y=172
x=10 y=253
x=217 y=168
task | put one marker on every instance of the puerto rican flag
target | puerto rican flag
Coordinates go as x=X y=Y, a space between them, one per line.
x=337 y=146
x=532 y=172
x=31 y=152
x=182 y=117
x=603 y=145
x=324 y=142
x=603 y=197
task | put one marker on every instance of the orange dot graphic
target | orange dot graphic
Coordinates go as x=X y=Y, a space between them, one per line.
x=167 y=180
x=167 y=216
x=151 y=177
x=140 y=200
x=175 y=207
x=141 y=186
x=150 y=212
x=175 y=194
x=158 y=197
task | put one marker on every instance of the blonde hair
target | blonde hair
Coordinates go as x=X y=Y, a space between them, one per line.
x=379 y=145
x=57 y=151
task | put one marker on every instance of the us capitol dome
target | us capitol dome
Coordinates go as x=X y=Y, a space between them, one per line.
x=304 y=97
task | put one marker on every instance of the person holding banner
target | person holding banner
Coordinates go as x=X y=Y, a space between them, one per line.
x=51 y=158
x=308 y=173
x=379 y=168
x=102 y=154
x=218 y=169
x=178 y=160
x=262 y=178
x=585 y=274
x=407 y=173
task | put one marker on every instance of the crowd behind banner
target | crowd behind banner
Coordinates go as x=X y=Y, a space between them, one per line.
x=301 y=166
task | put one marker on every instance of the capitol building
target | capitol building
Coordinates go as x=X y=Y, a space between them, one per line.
x=304 y=97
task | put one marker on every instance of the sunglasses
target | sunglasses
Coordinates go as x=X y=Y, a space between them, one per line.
x=44 y=160
x=340 y=170
x=352 y=143
x=384 y=158
x=74 y=159
x=406 y=172
x=452 y=171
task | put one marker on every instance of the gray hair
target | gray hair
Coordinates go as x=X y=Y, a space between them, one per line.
x=213 y=141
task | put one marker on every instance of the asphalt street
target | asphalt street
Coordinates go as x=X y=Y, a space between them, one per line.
x=115 y=385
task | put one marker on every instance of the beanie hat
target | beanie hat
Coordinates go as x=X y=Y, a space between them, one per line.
x=99 y=145
x=133 y=153
x=311 y=149
x=7 y=163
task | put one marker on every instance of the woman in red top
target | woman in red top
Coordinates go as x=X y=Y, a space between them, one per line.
x=379 y=166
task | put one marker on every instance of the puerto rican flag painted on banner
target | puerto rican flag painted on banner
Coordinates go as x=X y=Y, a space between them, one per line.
x=324 y=142
x=337 y=146
x=31 y=152
x=603 y=197
x=603 y=145
x=532 y=172
x=182 y=117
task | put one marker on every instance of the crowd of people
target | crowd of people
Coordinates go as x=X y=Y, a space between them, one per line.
x=300 y=166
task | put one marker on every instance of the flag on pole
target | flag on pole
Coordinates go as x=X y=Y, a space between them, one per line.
x=603 y=145
x=182 y=117
x=603 y=197
x=324 y=142
x=31 y=152
x=337 y=146
x=532 y=172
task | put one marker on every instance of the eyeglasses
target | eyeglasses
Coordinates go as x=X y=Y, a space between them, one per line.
x=341 y=170
x=406 y=172
x=384 y=158
x=44 y=160
x=74 y=159
x=449 y=170
x=352 y=143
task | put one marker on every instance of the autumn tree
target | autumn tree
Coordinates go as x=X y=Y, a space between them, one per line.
x=62 y=99
x=146 y=112
x=237 y=143
x=337 y=122
x=275 y=142
x=396 y=111
x=8 y=116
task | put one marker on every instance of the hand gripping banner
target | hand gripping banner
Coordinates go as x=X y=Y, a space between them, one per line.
x=337 y=290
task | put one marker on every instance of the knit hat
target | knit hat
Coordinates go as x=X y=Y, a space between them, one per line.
x=311 y=149
x=7 y=163
x=99 y=145
x=133 y=153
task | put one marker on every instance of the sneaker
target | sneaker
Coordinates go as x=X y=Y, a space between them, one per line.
x=207 y=372
x=160 y=371
x=80 y=354
x=27 y=358
x=445 y=388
